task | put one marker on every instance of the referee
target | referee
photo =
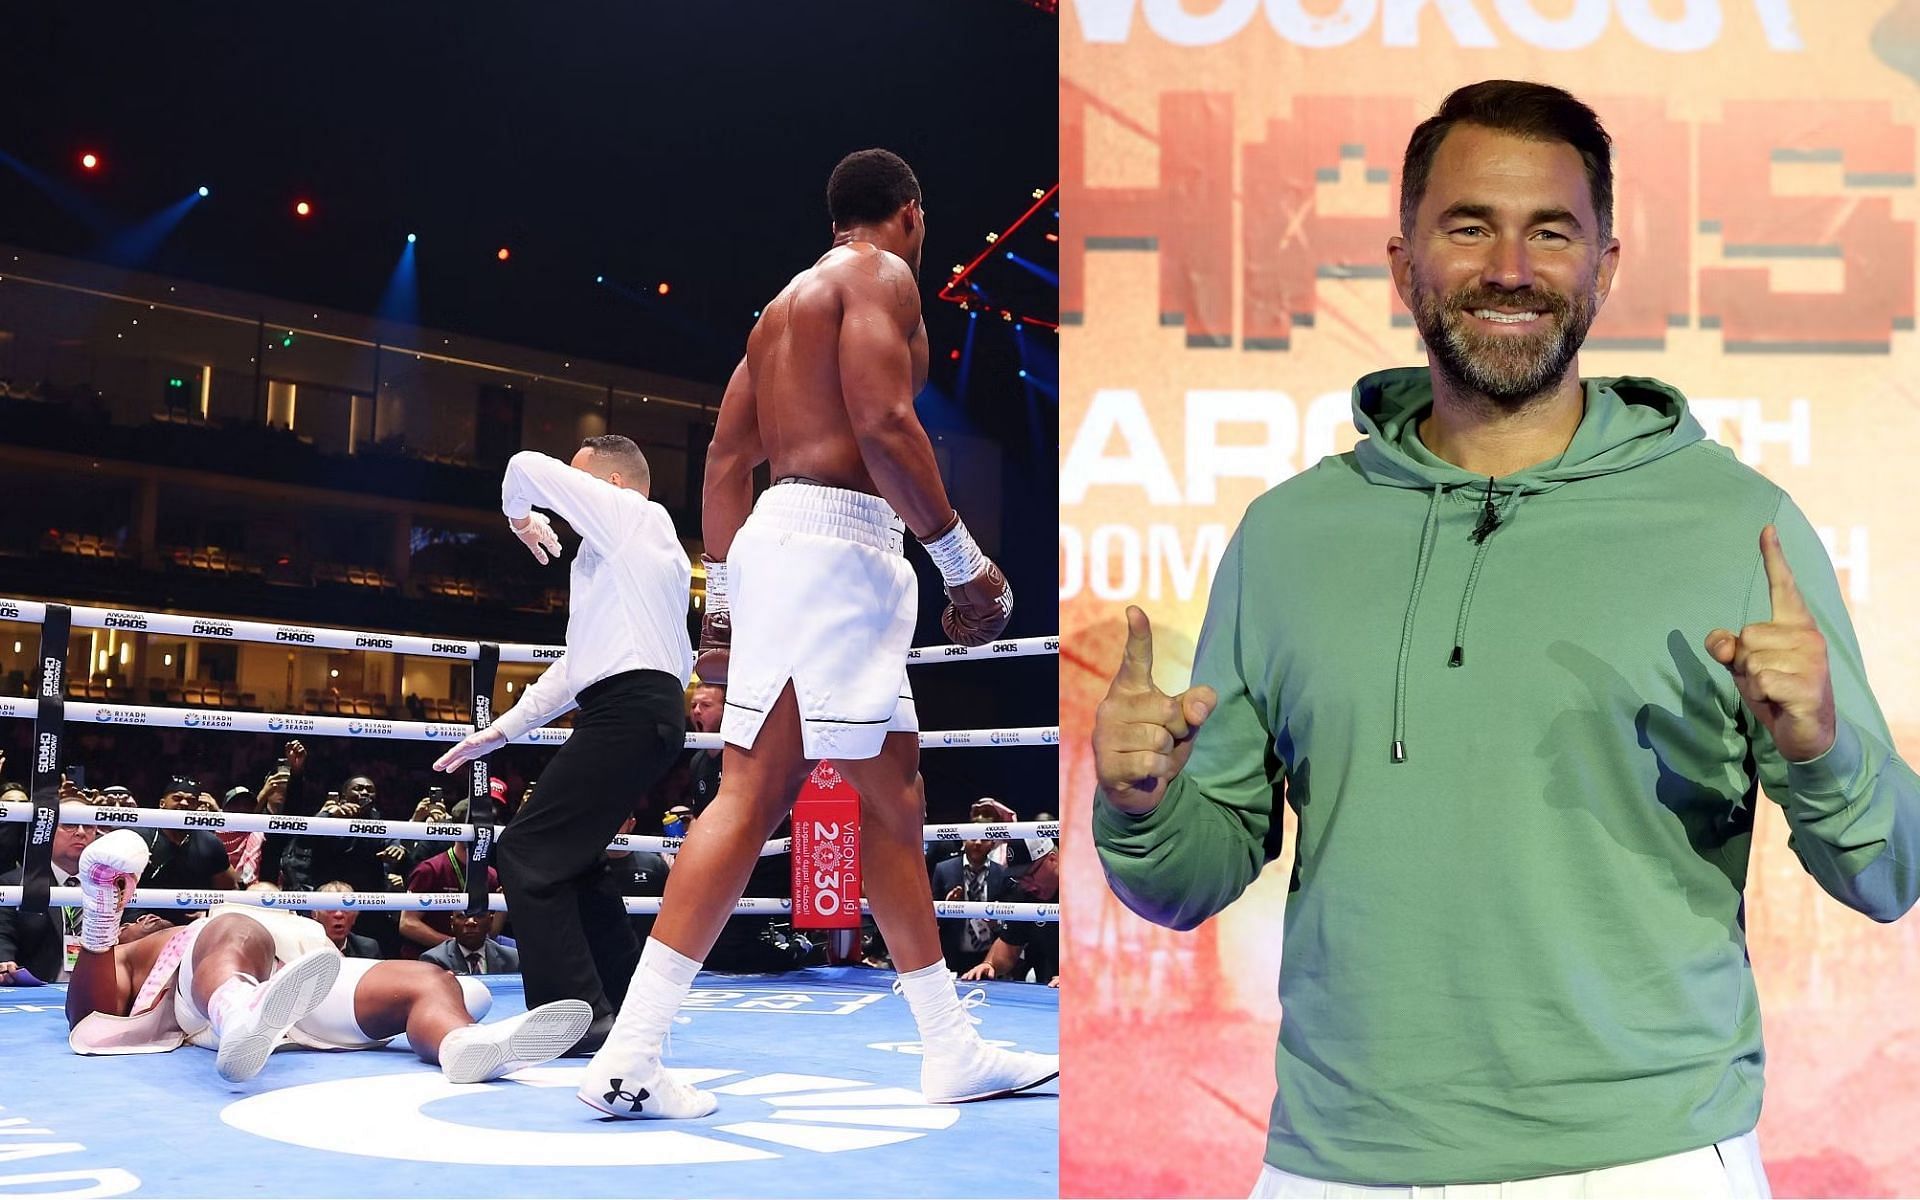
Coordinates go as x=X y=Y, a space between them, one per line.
x=626 y=667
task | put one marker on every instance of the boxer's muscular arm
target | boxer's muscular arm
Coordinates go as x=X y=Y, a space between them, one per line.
x=726 y=494
x=880 y=312
x=96 y=986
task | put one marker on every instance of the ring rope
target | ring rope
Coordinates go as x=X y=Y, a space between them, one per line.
x=329 y=638
x=290 y=725
x=179 y=898
x=75 y=813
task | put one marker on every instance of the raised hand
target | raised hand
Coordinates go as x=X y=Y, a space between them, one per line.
x=1780 y=665
x=536 y=534
x=1141 y=735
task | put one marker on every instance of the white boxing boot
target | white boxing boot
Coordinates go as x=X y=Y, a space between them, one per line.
x=955 y=1065
x=250 y=1018
x=477 y=1053
x=625 y=1079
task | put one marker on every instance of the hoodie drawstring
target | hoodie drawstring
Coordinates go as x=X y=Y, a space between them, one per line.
x=1491 y=518
x=1399 y=748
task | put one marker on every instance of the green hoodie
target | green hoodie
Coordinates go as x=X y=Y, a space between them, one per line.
x=1519 y=949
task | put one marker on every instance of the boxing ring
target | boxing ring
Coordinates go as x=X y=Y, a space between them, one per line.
x=816 y=1070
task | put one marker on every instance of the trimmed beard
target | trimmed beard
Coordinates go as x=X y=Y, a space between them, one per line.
x=1506 y=371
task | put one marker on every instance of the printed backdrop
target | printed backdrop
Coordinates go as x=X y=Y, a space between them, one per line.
x=1230 y=171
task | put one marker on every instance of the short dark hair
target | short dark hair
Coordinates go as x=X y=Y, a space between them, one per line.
x=869 y=185
x=1536 y=111
x=627 y=451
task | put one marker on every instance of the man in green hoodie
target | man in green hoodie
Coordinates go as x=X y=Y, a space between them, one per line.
x=1520 y=663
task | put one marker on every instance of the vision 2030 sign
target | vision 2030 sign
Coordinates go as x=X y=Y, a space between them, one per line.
x=826 y=852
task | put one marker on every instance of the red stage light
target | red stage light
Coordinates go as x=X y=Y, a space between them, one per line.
x=664 y=289
x=89 y=161
x=954 y=355
x=303 y=209
x=503 y=255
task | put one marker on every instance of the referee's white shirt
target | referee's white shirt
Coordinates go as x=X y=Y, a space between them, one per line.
x=630 y=585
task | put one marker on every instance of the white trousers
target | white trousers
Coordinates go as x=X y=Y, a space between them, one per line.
x=1729 y=1170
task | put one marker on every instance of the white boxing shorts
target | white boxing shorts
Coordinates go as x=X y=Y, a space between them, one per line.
x=330 y=1026
x=822 y=595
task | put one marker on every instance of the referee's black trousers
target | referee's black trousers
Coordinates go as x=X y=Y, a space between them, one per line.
x=576 y=942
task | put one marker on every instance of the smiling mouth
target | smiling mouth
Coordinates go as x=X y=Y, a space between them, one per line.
x=1506 y=318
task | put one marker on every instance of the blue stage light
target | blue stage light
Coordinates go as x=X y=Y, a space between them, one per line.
x=411 y=239
x=204 y=193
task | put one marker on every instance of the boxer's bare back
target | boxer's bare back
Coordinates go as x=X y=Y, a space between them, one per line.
x=826 y=389
x=794 y=356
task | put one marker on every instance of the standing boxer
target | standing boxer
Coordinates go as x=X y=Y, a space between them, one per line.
x=820 y=616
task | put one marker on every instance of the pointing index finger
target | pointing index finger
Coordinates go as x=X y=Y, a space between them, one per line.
x=1788 y=605
x=1136 y=667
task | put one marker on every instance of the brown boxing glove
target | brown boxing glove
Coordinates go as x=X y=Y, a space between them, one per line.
x=716 y=626
x=979 y=602
x=978 y=610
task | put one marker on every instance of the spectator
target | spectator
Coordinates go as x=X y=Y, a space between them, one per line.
x=969 y=875
x=338 y=922
x=635 y=873
x=1027 y=946
x=308 y=859
x=703 y=716
x=13 y=834
x=243 y=849
x=431 y=807
x=694 y=778
x=273 y=801
x=37 y=942
x=444 y=872
x=462 y=810
x=192 y=859
x=470 y=951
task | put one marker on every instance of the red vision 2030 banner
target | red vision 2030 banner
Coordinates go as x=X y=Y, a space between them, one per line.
x=826 y=852
x=1230 y=171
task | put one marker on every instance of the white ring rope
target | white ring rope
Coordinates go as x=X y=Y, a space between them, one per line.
x=66 y=897
x=73 y=813
x=80 y=714
x=326 y=638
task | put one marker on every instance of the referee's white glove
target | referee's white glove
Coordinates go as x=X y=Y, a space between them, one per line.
x=477 y=744
x=536 y=534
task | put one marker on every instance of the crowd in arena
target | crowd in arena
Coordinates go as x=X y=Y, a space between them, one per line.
x=374 y=785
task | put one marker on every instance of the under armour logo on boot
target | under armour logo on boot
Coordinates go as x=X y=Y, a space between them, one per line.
x=616 y=1095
